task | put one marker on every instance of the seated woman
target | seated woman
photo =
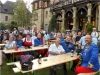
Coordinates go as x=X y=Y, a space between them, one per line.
x=89 y=56
x=38 y=42
x=10 y=44
x=27 y=43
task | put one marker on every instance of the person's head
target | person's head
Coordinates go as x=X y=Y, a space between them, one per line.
x=41 y=29
x=11 y=37
x=19 y=37
x=79 y=33
x=14 y=28
x=88 y=39
x=28 y=37
x=84 y=33
x=38 y=35
x=28 y=28
x=59 y=35
x=23 y=29
x=68 y=39
x=94 y=29
x=57 y=41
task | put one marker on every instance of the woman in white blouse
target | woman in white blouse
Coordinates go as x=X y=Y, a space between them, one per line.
x=10 y=44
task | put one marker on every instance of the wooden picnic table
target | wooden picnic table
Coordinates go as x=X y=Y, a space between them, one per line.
x=25 y=50
x=51 y=61
x=2 y=44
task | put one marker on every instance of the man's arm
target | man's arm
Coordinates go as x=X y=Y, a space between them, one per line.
x=94 y=56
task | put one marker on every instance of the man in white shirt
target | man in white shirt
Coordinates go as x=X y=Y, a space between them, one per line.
x=94 y=35
x=15 y=32
x=56 y=49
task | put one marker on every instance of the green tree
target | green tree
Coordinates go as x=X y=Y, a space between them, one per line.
x=2 y=26
x=89 y=28
x=13 y=25
x=53 y=23
x=34 y=14
x=21 y=14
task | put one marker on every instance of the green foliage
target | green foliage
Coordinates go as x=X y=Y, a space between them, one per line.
x=63 y=30
x=13 y=25
x=2 y=26
x=89 y=28
x=21 y=14
x=53 y=23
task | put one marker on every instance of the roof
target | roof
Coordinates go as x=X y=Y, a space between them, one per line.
x=0 y=3
x=7 y=7
x=34 y=1
x=38 y=0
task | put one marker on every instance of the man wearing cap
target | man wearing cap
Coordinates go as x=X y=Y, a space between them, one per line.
x=94 y=35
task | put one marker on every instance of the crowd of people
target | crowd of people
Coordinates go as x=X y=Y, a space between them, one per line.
x=64 y=43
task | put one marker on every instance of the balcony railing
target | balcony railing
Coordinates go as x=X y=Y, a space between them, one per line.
x=66 y=2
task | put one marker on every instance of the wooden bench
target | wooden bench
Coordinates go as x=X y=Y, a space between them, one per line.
x=93 y=73
x=16 y=70
x=12 y=63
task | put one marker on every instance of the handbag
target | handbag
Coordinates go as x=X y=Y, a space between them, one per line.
x=25 y=61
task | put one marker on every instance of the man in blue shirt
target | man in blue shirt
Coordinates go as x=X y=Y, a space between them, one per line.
x=89 y=57
x=59 y=35
x=19 y=41
x=67 y=45
x=38 y=42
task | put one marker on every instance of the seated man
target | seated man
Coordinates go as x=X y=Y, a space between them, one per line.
x=38 y=42
x=59 y=35
x=19 y=43
x=89 y=56
x=67 y=45
x=56 y=49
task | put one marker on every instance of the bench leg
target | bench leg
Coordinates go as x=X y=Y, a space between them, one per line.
x=34 y=73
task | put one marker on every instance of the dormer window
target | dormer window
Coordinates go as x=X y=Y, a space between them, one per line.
x=5 y=10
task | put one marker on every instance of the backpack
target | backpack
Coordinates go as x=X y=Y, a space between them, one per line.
x=25 y=61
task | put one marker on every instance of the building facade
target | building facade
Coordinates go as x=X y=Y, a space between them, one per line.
x=6 y=12
x=71 y=14
x=41 y=13
x=75 y=14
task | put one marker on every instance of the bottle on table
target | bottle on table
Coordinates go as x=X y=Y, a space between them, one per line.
x=40 y=59
x=79 y=49
x=72 y=53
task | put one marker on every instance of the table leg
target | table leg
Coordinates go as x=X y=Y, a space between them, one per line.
x=13 y=57
x=34 y=73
